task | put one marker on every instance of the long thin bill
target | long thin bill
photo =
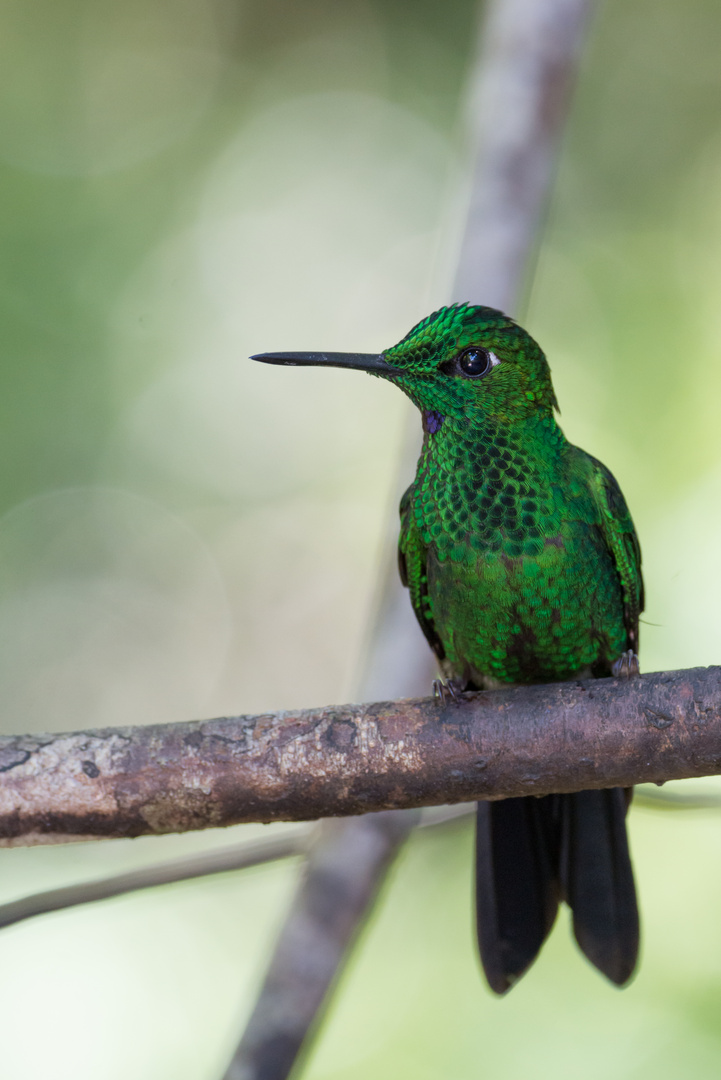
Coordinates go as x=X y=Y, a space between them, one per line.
x=357 y=361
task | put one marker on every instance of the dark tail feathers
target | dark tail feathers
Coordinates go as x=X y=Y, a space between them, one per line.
x=530 y=854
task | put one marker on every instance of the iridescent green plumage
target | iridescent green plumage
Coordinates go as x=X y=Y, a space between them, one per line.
x=517 y=547
x=523 y=566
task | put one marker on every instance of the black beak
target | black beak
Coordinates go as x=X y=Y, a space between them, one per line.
x=358 y=361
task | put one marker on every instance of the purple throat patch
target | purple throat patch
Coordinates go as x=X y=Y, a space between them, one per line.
x=432 y=420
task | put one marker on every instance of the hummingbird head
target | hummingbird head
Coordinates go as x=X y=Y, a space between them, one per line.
x=465 y=362
x=468 y=361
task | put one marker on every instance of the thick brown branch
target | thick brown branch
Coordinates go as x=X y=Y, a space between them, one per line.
x=353 y=759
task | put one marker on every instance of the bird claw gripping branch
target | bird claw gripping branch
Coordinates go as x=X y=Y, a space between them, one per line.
x=447 y=690
x=626 y=665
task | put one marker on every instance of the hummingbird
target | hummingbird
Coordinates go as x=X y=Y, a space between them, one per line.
x=523 y=566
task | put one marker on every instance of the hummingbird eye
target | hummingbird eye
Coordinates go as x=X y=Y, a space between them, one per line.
x=475 y=362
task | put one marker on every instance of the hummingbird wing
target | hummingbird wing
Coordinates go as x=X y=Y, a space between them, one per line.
x=621 y=539
x=412 y=554
x=517 y=880
x=596 y=871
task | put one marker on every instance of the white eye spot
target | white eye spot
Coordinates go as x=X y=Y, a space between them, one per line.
x=493 y=358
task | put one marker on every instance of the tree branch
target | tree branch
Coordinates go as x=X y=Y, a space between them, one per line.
x=356 y=759
x=518 y=104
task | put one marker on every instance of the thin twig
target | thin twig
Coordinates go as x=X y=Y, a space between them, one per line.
x=241 y=856
x=250 y=853
x=649 y=799
x=238 y=857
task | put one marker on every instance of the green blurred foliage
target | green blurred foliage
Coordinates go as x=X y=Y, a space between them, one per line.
x=182 y=183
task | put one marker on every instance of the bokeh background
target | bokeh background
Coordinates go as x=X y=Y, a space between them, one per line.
x=187 y=534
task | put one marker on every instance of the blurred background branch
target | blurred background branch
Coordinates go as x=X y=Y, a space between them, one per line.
x=346 y=867
x=517 y=100
x=241 y=856
x=251 y=853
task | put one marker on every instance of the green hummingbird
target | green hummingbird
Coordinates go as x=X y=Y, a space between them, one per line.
x=523 y=566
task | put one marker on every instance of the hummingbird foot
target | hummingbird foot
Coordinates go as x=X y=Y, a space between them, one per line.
x=626 y=665
x=445 y=690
